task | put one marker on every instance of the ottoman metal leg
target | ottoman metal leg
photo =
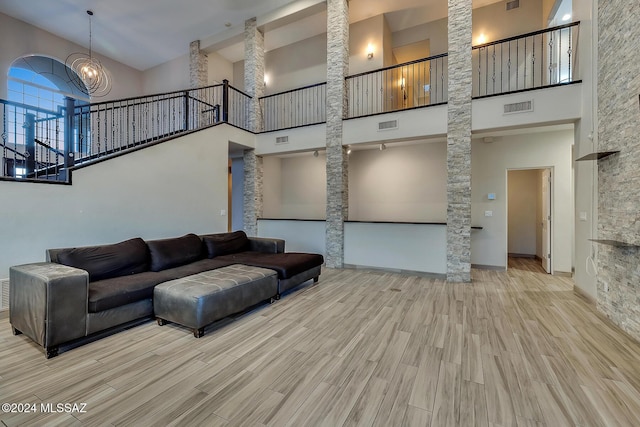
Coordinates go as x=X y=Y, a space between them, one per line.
x=15 y=331
x=161 y=322
x=198 y=333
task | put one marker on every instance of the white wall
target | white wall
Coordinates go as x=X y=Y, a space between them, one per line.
x=174 y=75
x=523 y=210
x=401 y=183
x=237 y=197
x=434 y=31
x=18 y=39
x=295 y=187
x=296 y=65
x=561 y=105
x=413 y=247
x=170 y=76
x=496 y=22
x=299 y=236
x=139 y=194
x=361 y=34
x=416 y=123
x=490 y=162
x=586 y=137
x=306 y=138
x=272 y=187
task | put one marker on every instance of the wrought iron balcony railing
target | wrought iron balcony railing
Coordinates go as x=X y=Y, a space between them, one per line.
x=294 y=108
x=531 y=61
x=40 y=145
x=410 y=85
x=32 y=143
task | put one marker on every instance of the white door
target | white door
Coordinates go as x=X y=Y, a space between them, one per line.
x=546 y=220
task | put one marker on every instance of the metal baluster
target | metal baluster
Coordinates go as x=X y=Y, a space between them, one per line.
x=569 y=52
x=550 y=58
x=559 y=71
x=525 y=63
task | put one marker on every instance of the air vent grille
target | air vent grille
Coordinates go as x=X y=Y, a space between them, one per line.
x=518 y=107
x=513 y=4
x=282 y=140
x=390 y=124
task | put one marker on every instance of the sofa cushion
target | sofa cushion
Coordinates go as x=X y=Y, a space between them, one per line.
x=107 y=261
x=119 y=291
x=195 y=268
x=225 y=243
x=168 y=253
x=286 y=264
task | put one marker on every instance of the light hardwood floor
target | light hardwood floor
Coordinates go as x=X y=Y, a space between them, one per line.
x=360 y=348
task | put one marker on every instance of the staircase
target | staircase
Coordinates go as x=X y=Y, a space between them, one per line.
x=43 y=146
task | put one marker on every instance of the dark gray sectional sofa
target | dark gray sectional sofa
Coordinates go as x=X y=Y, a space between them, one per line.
x=81 y=292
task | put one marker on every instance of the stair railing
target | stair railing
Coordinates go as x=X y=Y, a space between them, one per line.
x=31 y=142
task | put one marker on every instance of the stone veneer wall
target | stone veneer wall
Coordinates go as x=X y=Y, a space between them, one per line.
x=618 y=294
x=337 y=159
x=198 y=65
x=254 y=71
x=459 y=143
x=254 y=86
x=253 y=199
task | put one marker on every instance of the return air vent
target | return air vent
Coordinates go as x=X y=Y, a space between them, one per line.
x=282 y=140
x=390 y=124
x=513 y=4
x=518 y=107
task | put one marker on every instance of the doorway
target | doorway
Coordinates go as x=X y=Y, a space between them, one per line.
x=529 y=216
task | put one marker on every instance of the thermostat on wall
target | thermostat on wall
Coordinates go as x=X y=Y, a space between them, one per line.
x=491 y=196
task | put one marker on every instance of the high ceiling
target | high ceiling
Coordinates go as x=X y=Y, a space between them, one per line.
x=146 y=33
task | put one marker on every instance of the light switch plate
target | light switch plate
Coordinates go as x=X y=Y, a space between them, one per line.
x=488 y=213
x=583 y=216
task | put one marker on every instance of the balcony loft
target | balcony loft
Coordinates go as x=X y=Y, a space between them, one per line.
x=521 y=81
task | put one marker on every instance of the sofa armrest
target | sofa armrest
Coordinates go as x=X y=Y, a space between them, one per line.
x=266 y=245
x=48 y=302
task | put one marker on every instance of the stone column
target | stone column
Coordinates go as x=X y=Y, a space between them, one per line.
x=337 y=160
x=254 y=86
x=198 y=66
x=459 y=143
x=254 y=71
x=252 y=192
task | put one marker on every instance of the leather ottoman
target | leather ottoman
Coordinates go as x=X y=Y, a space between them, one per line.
x=198 y=300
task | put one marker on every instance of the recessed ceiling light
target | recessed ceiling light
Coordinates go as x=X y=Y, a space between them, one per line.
x=566 y=17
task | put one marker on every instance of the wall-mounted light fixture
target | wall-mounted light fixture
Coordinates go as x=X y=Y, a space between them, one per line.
x=370 y=51
x=266 y=80
x=383 y=146
x=348 y=150
x=315 y=153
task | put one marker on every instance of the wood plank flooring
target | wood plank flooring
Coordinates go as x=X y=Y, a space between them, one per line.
x=370 y=348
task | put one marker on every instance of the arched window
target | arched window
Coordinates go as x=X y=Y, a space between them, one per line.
x=33 y=141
